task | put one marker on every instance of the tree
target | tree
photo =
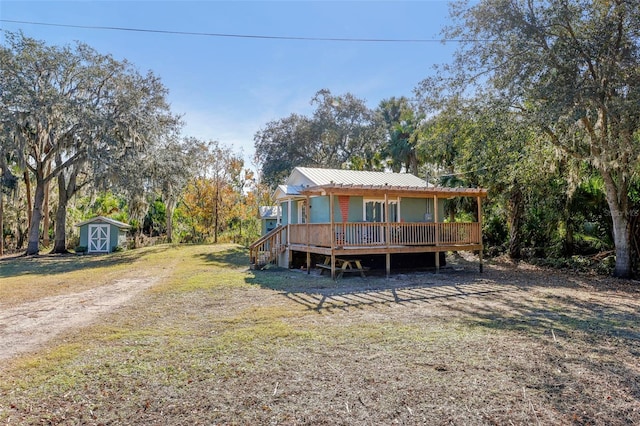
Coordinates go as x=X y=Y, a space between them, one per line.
x=210 y=195
x=346 y=128
x=171 y=167
x=284 y=144
x=341 y=129
x=570 y=68
x=71 y=110
x=402 y=126
x=8 y=185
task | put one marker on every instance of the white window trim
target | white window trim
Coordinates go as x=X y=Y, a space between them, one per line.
x=302 y=209
x=395 y=201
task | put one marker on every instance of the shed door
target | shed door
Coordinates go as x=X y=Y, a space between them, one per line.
x=98 y=238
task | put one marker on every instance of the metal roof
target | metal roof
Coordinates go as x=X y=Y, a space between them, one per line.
x=318 y=177
x=287 y=190
x=102 y=219
x=269 y=212
x=406 y=191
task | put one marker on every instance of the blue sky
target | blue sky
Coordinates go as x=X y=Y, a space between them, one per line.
x=228 y=88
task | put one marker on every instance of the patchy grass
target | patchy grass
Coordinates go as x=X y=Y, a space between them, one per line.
x=27 y=278
x=214 y=343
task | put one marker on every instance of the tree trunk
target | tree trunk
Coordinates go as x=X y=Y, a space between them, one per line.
x=569 y=240
x=20 y=239
x=215 y=226
x=169 y=221
x=33 y=244
x=516 y=209
x=60 y=238
x=27 y=184
x=618 y=200
x=45 y=216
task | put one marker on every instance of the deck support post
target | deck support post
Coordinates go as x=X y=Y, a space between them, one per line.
x=437 y=231
x=480 y=233
x=306 y=224
x=388 y=264
x=333 y=265
x=333 y=237
x=387 y=233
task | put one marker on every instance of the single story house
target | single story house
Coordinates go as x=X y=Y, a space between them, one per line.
x=102 y=234
x=344 y=214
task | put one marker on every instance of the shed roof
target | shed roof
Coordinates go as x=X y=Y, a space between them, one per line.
x=102 y=219
x=269 y=212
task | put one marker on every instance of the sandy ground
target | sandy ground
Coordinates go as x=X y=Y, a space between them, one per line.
x=28 y=326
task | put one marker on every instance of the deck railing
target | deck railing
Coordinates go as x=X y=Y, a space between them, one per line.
x=267 y=248
x=367 y=234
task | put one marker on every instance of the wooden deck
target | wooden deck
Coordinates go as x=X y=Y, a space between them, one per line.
x=366 y=235
x=358 y=239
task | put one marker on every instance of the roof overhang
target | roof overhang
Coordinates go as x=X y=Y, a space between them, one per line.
x=287 y=191
x=102 y=219
x=269 y=212
x=400 y=191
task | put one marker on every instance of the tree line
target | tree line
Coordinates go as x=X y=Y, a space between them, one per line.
x=541 y=105
x=78 y=126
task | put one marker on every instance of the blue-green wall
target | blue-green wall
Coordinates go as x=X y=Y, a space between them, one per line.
x=84 y=236
x=268 y=225
x=117 y=236
x=355 y=209
x=319 y=210
x=411 y=210
x=285 y=213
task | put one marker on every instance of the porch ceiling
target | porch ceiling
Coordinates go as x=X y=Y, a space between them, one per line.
x=402 y=191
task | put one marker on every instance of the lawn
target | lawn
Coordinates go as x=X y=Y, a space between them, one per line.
x=214 y=343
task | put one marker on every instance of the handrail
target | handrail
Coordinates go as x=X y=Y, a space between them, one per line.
x=370 y=234
x=266 y=248
x=265 y=237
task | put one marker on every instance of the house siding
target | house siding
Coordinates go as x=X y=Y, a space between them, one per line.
x=84 y=236
x=268 y=225
x=319 y=209
x=285 y=212
x=411 y=210
x=114 y=237
x=414 y=209
x=355 y=209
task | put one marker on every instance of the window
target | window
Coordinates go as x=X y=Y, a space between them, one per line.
x=302 y=212
x=374 y=211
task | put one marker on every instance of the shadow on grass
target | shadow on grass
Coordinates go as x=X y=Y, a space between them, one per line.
x=52 y=264
x=561 y=317
x=226 y=256
x=589 y=344
x=322 y=294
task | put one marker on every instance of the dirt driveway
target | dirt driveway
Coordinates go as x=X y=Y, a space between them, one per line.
x=26 y=327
